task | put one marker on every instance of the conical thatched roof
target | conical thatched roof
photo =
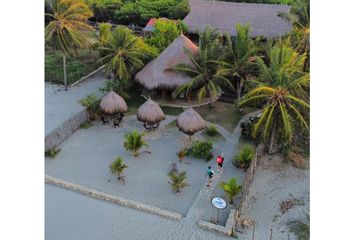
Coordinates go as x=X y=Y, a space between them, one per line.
x=155 y=74
x=113 y=103
x=190 y=122
x=150 y=112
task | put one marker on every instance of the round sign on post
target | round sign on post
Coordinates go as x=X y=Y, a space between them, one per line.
x=218 y=203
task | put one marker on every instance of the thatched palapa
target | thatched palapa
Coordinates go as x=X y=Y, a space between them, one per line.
x=190 y=122
x=263 y=18
x=157 y=74
x=112 y=103
x=150 y=112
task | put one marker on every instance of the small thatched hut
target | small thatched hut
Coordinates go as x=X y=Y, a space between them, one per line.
x=150 y=114
x=157 y=74
x=190 y=122
x=113 y=107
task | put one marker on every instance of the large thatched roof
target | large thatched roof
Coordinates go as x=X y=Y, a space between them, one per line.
x=155 y=74
x=113 y=103
x=263 y=18
x=190 y=122
x=150 y=112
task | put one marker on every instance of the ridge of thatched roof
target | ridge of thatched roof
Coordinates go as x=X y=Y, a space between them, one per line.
x=190 y=122
x=113 y=103
x=263 y=18
x=150 y=112
x=156 y=74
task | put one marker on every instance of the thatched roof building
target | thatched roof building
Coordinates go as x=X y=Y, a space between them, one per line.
x=155 y=75
x=112 y=103
x=150 y=112
x=263 y=18
x=190 y=122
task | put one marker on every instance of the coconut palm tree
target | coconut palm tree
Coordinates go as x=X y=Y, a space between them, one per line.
x=122 y=57
x=117 y=167
x=134 y=141
x=244 y=158
x=237 y=62
x=104 y=33
x=282 y=90
x=65 y=32
x=231 y=189
x=203 y=70
x=178 y=181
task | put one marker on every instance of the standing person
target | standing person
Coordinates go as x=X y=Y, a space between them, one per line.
x=220 y=161
x=210 y=174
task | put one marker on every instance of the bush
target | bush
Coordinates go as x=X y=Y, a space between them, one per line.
x=180 y=10
x=92 y=105
x=86 y=125
x=52 y=152
x=201 y=149
x=244 y=158
x=211 y=130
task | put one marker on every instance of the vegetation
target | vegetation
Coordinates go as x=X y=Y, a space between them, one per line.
x=178 y=181
x=237 y=63
x=92 y=105
x=282 y=90
x=65 y=30
x=134 y=141
x=182 y=154
x=117 y=167
x=211 y=130
x=86 y=125
x=52 y=152
x=300 y=229
x=203 y=71
x=165 y=32
x=288 y=2
x=244 y=158
x=104 y=10
x=201 y=149
x=231 y=189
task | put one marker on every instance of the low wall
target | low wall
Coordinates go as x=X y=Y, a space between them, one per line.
x=65 y=130
x=112 y=198
x=226 y=230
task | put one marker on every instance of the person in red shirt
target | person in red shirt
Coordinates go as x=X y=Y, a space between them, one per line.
x=220 y=161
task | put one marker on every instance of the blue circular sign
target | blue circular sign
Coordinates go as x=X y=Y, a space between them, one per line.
x=219 y=203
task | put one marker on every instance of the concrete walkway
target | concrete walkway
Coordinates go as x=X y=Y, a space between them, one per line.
x=60 y=105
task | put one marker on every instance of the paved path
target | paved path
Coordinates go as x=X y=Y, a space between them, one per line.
x=60 y=105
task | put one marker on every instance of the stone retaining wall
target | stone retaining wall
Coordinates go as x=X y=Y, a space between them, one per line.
x=226 y=230
x=113 y=199
x=65 y=130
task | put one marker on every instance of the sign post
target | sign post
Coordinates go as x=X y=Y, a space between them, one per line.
x=219 y=204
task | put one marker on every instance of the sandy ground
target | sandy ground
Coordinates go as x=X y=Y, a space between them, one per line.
x=72 y=216
x=274 y=182
x=61 y=105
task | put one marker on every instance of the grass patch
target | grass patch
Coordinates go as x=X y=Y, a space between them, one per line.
x=52 y=152
x=172 y=124
x=86 y=125
x=213 y=138
x=300 y=229
x=133 y=104
x=171 y=110
x=224 y=114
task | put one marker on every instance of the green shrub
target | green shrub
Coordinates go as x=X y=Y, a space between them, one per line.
x=244 y=158
x=180 y=10
x=211 y=130
x=86 y=125
x=52 y=152
x=92 y=105
x=117 y=167
x=201 y=149
x=134 y=141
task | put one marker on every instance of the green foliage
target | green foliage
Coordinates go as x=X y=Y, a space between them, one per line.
x=134 y=141
x=288 y=2
x=231 y=188
x=52 y=152
x=104 y=9
x=164 y=33
x=300 y=229
x=180 y=10
x=117 y=167
x=211 y=130
x=92 y=105
x=120 y=87
x=244 y=158
x=178 y=181
x=104 y=33
x=201 y=149
x=86 y=125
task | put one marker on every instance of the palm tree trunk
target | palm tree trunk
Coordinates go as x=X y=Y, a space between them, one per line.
x=272 y=138
x=238 y=89
x=65 y=77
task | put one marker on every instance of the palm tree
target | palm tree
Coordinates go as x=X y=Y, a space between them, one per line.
x=92 y=105
x=299 y=17
x=283 y=93
x=104 y=33
x=231 y=188
x=203 y=70
x=65 y=30
x=239 y=55
x=122 y=57
x=134 y=141
x=117 y=167
x=244 y=158
x=178 y=181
